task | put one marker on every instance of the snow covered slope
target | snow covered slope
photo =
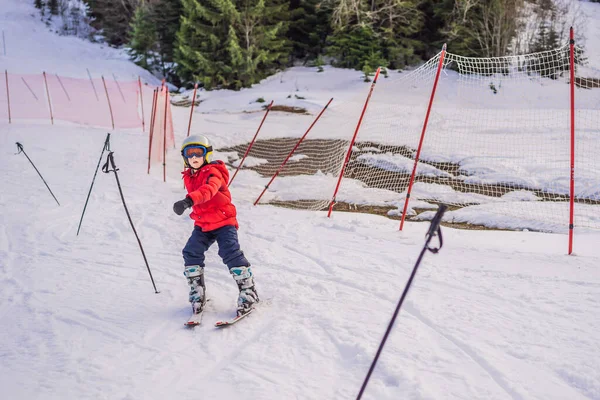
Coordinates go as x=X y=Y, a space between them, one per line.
x=495 y=315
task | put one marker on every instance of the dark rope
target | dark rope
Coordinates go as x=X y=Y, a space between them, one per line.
x=105 y=168
x=434 y=229
x=107 y=148
x=20 y=148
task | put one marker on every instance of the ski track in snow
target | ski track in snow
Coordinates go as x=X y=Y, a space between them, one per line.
x=96 y=326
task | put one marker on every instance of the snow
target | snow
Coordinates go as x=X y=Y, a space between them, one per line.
x=494 y=315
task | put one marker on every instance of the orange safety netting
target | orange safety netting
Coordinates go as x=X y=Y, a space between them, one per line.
x=161 y=127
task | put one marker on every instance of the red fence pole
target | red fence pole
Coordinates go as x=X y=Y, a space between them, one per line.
x=7 y=95
x=414 y=171
x=152 y=119
x=48 y=94
x=142 y=103
x=192 y=110
x=251 y=143
x=293 y=150
x=112 y=119
x=572 y=177
x=165 y=135
x=352 y=142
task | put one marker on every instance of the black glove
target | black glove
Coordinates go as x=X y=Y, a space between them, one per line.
x=180 y=206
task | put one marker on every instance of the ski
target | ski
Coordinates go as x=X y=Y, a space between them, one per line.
x=195 y=320
x=224 y=323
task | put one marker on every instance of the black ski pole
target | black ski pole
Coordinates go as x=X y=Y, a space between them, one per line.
x=105 y=168
x=434 y=229
x=20 y=147
x=107 y=148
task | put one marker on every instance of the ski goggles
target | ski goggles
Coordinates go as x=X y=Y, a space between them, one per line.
x=194 y=151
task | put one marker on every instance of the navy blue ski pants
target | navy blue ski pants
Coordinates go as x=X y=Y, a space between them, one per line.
x=229 y=247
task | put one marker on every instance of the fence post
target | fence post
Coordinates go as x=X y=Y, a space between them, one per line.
x=414 y=171
x=152 y=120
x=352 y=142
x=49 y=102
x=192 y=110
x=112 y=119
x=7 y=96
x=251 y=143
x=142 y=103
x=165 y=135
x=293 y=150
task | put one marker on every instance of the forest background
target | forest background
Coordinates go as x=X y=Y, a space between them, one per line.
x=231 y=44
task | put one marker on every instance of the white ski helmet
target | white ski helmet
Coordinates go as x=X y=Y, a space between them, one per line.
x=197 y=141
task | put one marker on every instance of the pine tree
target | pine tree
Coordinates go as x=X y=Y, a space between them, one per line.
x=143 y=43
x=454 y=27
x=113 y=19
x=165 y=15
x=262 y=26
x=230 y=43
x=199 y=51
x=53 y=7
x=310 y=24
x=431 y=37
x=351 y=46
x=39 y=4
x=384 y=27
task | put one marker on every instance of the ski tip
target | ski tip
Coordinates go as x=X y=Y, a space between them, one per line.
x=225 y=323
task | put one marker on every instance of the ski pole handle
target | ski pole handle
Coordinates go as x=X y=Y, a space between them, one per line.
x=435 y=222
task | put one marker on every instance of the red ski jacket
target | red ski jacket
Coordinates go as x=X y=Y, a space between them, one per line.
x=207 y=187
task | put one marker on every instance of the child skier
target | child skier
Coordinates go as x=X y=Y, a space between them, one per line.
x=214 y=219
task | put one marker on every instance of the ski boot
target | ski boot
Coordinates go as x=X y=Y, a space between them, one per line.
x=195 y=278
x=245 y=280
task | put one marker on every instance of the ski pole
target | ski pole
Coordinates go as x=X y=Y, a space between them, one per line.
x=21 y=150
x=434 y=230
x=105 y=168
x=107 y=148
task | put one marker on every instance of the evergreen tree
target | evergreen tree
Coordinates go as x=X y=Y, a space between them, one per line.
x=143 y=43
x=230 y=43
x=165 y=15
x=454 y=27
x=39 y=4
x=310 y=24
x=351 y=46
x=113 y=19
x=386 y=28
x=53 y=7
x=398 y=24
x=262 y=25
x=436 y=14
x=199 y=51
